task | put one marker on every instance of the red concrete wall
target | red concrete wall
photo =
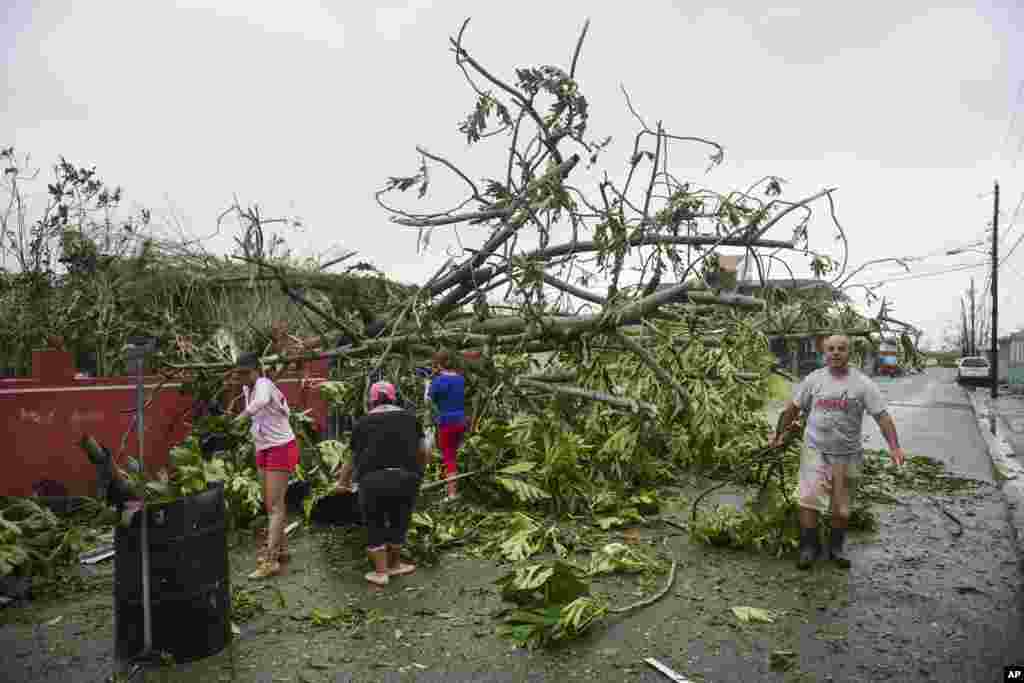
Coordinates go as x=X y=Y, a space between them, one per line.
x=45 y=416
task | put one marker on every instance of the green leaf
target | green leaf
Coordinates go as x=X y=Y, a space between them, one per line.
x=618 y=557
x=608 y=522
x=528 y=493
x=517 y=547
x=753 y=615
x=533 y=577
x=518 y=468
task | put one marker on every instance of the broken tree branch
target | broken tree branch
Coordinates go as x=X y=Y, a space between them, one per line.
x=575 y=291
x=651 y=362
x=486 y=215
x=652 y=599
x=627 y=403
x=757 y=233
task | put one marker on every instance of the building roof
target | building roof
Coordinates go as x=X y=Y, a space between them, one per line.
x=747 y=286
x=786 y=283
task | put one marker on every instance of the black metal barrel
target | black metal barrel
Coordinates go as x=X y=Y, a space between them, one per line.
x=190 y=591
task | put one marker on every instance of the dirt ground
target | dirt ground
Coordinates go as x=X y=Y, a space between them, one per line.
x=919 y=604
x=438 y=624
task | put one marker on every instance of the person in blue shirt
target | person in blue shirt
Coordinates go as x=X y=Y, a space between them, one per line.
x=448 y=394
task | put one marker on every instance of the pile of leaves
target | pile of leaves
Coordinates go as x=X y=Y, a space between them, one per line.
x=767 y=521
x=554 y=600
x=37 y=543
x=882 y=481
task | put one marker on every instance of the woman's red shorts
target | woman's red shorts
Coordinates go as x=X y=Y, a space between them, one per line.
x=284 y=457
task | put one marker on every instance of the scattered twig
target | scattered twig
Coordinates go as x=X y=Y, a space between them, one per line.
x=652 y=599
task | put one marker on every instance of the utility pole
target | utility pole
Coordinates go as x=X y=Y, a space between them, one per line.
x=994 y=365
x=974 y=328
x=965 y=344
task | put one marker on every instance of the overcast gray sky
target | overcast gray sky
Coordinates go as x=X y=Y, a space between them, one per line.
x=910 y=109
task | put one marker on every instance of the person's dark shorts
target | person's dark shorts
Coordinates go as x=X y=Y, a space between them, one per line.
x=387 y=499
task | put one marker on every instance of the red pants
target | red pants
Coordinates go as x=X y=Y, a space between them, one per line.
x=449 y=438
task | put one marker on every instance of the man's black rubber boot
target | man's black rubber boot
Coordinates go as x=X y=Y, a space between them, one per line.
x=809 y=547
x=837 y=548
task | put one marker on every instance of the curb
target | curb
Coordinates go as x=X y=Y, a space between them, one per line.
x=1005 y=463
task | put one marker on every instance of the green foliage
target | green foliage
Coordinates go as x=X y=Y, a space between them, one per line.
x=615 y=558
x=244 y=604
x=772 y=529
x=768 y=522
x=522 y=537
x=553 y=604
x=326 y=458
x=191 y=473
x=476 y=123
x=36 y=542
x=882 y=480
x=431 y=533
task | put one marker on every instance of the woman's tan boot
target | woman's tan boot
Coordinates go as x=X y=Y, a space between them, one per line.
x=266 y=567
x=268 y=563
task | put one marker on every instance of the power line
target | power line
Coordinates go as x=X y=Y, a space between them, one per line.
x=1013 y=119
x=1012 y=222
x=1009 y=253
x=943 y=251
x=924 y=275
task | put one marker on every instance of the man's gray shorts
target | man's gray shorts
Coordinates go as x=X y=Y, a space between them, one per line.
x=814 y=491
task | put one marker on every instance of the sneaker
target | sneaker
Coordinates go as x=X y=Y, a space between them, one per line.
x=266 y=570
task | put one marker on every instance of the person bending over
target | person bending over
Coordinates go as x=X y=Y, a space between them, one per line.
x=389 y=455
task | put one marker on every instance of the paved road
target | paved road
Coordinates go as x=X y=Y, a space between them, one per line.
x=934 y=419
x=924 y=604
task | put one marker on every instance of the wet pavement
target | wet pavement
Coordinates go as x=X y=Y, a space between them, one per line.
x=1004 y=438
x=934 y=418
x=919 y=604
x=925 y=604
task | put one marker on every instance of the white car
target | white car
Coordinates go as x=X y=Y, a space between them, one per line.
x=973 y=369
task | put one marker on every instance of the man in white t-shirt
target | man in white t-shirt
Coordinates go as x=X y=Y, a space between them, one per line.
x=834 y=399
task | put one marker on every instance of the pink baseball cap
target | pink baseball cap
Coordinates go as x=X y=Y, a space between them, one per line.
x=379 y=389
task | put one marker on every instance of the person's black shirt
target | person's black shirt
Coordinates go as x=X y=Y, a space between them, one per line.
x=389 y=438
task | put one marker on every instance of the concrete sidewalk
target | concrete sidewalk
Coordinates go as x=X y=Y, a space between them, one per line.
x=1005 y=447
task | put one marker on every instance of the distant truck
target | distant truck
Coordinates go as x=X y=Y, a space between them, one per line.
x=889 y=360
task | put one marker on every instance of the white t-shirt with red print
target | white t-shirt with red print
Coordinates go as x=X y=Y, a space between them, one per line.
x=835 y=408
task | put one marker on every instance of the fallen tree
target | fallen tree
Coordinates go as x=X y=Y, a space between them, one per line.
x=583 y=401
x=663 y=372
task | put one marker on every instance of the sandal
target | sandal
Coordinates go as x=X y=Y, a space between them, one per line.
x=402 y=569
x=377 y=579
